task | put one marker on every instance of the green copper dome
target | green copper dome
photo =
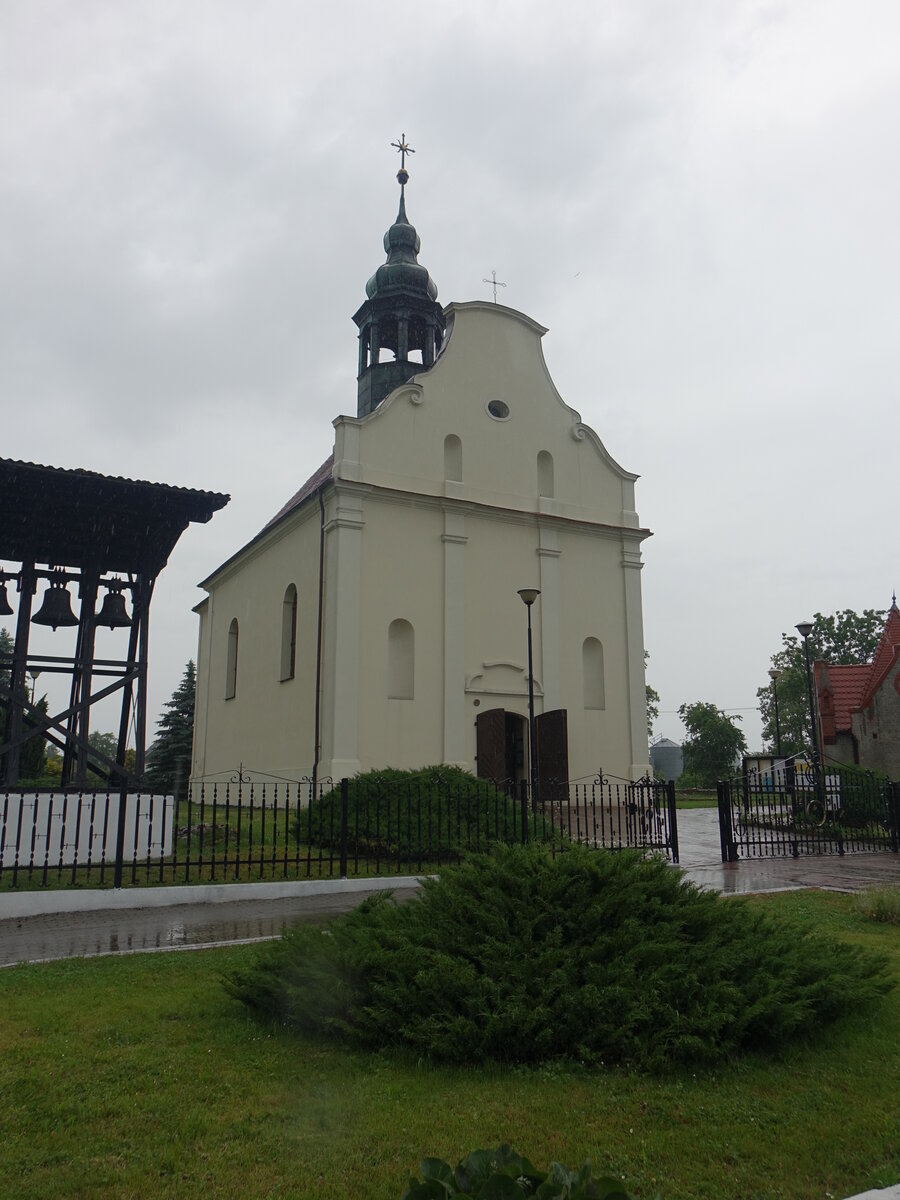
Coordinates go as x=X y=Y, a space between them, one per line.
x=402 y=272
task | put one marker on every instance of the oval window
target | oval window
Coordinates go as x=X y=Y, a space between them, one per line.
x=498 y=409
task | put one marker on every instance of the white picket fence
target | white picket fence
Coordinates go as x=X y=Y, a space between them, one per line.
x=61 y=829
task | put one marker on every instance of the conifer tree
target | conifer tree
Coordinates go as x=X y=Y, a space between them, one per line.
x=168 y=764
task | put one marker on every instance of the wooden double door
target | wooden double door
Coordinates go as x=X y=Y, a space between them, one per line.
x=502 y=748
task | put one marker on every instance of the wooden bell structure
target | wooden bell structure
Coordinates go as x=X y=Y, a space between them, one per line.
x=57 y=607
x=112 y=611
x=97 y=532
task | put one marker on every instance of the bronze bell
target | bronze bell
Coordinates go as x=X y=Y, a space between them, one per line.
x=112 y=611
x=57 y=607
x=5 y=607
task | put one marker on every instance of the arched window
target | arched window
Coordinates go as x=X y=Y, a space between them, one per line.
x=545 y=473
x=231 y=661
x=401 y=660
x=453 y=458
x=289 y=633
x=592 y=669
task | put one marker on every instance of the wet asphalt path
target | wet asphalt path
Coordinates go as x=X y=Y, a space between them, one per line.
x=194 y=922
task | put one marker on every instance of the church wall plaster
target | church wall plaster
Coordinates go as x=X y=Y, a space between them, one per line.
x=540 y=503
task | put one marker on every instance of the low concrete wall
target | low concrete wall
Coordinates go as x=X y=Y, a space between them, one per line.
x=34 y=904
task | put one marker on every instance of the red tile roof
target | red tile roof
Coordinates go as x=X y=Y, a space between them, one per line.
x=851 y=687
x=846 y=682
x=885 y=656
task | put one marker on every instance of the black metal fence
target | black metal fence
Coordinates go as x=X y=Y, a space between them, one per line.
x=245 y=832
x=792 y=809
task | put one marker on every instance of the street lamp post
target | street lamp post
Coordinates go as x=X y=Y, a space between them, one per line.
x=775 y=675
x=805 y=629
x=528 y=596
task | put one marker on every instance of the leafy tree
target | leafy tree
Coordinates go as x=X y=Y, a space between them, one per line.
x=169 y=758
x=652 y=701
x=843 y=637
x=652 y=708
x=713 y=743
x=106 y=743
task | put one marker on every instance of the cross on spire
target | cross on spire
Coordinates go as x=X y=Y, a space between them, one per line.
x=495 y=282
x=402 y=149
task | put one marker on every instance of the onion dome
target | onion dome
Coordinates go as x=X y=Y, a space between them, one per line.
x=402 y=271
x=401 y=324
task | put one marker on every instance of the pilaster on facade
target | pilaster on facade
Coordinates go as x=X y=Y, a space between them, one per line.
x=344 y=523
x=346 y=448
x=344 y=507
x=548 y=564
x=634 y=642
x=201 y=709
x=454 y=540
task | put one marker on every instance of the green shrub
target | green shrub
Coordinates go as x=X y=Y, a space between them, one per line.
x=595 y=956
x=864 y=797
x=879 y=904
x=431 y=813
x=502 y=1174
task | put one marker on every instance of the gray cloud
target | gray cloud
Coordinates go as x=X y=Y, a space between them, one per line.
x=698 y=199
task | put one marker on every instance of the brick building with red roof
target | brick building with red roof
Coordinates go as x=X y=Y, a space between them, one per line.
x=859 y=705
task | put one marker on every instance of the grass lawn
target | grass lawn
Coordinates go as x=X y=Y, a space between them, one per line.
x=695 y=798
x=139 y=1077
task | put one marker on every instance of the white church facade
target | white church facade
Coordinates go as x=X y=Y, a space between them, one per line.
x=376 y=621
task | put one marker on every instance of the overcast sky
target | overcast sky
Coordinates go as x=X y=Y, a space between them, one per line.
x=701 y=200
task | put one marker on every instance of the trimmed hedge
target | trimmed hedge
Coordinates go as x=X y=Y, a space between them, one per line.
x=432 y=813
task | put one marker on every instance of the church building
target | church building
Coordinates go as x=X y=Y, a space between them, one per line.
x=377 y=619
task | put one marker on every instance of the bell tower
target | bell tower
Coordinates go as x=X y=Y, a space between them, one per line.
x=401 y=324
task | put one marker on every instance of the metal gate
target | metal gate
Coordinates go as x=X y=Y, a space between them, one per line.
x=791 y=809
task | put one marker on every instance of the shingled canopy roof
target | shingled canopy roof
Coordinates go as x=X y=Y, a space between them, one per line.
x=308 y=489
x=74 y=517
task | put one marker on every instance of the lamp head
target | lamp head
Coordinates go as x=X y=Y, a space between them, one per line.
x=804 y=629
x=774 y=674
x=529 y=595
